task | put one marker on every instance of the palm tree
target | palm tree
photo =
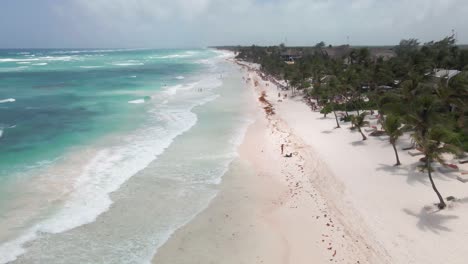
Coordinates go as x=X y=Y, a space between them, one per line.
x=326 y=110
x=431 y=128
x=359 y=121
x=433 y=147
x=334 y=87
x=454 y=94
x=392 y=126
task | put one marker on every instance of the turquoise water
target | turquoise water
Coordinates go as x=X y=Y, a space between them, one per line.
x=64 y=98
x=106 y=153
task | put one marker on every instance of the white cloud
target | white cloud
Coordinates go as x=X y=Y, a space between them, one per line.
x=211 y=22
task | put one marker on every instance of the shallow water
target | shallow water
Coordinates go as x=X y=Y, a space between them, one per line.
x=127 y=163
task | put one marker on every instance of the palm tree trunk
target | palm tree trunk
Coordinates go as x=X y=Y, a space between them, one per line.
x=461 y=120
x=336 y=119
x=362 y=134
x=396 y=154
x=441 y=204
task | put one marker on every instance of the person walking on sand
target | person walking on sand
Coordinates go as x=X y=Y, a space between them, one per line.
x=282 y=149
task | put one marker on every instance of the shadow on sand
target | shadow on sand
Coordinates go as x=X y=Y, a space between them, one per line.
x=434 y=221
x=412 y=173
x=358 y=143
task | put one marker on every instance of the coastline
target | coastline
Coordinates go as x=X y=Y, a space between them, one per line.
x=272 y=209
x=156 y=200
x=336 y=193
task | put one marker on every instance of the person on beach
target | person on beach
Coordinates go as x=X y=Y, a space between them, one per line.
x=282 y=149
x=279 y=95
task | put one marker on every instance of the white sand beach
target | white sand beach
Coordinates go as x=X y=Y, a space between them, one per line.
x=336 y=200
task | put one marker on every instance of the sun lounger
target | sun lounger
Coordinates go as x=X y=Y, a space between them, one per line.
x=415 y=153
x=408 y=148
x=463 y=178
x=463 y=161
x=446 y=169
x=453 y=166
x=370 y=129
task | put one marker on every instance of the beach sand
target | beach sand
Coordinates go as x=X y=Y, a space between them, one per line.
x=336 y=200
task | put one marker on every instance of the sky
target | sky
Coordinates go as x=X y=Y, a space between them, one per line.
x=201 y=23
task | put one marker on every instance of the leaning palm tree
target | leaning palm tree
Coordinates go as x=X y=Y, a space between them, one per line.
x=334 y=90
x=392 y=126
x=431 y=133
x=359 y=121
x=432 y=146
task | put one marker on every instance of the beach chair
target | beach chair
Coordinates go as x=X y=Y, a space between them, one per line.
x=408 y=148
x=447 y=169
x=452 y=166
x=463 y=177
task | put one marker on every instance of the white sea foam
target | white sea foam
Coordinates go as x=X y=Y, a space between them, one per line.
x=1 y=133
x=180 y=77
x=9 y=100
x=90 y=67
x=138 y=101
x=44 y=58
x=17 y=60
x=110 y=168
x=107 y=171
x=59 y=58
x=92 y=51
x=128 y=64
x=40 y=64
x=172 y=90
x=186 y=54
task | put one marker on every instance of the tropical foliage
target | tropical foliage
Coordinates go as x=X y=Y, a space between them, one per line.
x=418 y=88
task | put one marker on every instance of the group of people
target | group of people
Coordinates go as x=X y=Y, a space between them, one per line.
x=284 y=96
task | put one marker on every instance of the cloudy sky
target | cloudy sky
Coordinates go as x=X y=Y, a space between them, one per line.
x=200 y=23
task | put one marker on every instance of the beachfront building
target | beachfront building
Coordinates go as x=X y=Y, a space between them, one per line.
x=445 y=73
x=383 y=53
x=290 y=56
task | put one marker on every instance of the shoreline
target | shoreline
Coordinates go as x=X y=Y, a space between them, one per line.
x=160 y=198
x=272 y=209
x=336 y=192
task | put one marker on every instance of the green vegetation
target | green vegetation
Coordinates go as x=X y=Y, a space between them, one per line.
x=358 y=122
x=392 y=126
x=416 y=88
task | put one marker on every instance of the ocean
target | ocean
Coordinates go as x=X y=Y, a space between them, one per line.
x=105 y=153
